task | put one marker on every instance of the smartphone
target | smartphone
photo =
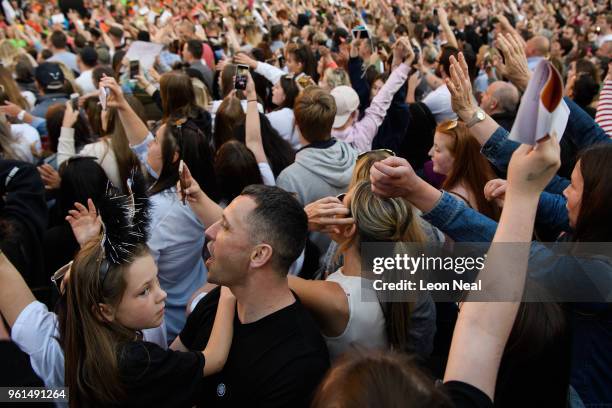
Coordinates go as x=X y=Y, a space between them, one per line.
x=103 y=97
x=182 y=181
x=360 y=33
x=74 y=101
x=134 y=69
x=281 y=60
x=435 y=12
x=241 y=77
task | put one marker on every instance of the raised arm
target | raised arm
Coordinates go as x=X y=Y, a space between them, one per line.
x=446 y=28
x=220 y=341
x=135 y=129
x=483 y=328
x=65 y=144
x=270 y=72
x=253 y=128
x=14 y=292
x=207 y=211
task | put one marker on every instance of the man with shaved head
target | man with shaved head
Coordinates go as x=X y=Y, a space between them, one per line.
x=536 y=49
x=500 y=102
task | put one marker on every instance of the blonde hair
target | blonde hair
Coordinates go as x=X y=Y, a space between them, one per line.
x=361 y=172
x=8 y=54
x=383 y=219
x=334 y=77
x=202 y=97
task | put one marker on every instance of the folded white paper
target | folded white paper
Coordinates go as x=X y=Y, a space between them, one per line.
x=145 y=52
x=542 y=110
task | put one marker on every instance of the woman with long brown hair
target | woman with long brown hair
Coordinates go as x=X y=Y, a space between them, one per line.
x=11 y=89
x=456 y=155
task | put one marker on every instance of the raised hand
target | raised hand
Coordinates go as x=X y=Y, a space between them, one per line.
x=192 y=192
x=460 y=88
x=242 y=58
x=85 y=222
x=532 y=167
x=327 y=215
x=115 y=99
x=515 y=67
x=393 y=177
x=70 y=116
x=50 y=177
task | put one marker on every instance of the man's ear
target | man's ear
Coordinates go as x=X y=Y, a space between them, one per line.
x=260 y=255
x=104 y=312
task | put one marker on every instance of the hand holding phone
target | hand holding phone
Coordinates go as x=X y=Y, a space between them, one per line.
x=134 y=69
x=240 y=82
x=104 y=92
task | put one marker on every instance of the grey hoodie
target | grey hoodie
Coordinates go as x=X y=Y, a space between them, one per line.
x=319 y=172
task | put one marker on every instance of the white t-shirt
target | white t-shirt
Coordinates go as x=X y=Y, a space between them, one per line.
x=283 y=121
x=266 y=174
x=439 y=103
x=25 y=135
x=85 y=82
x=366 y=324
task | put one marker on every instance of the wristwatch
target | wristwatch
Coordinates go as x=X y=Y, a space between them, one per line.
x=478 y=116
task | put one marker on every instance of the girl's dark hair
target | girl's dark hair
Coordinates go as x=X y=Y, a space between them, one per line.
x=193 y=148
x=82 y=178
x=279 y=152
x=291 y=91
x=236 y=168
x=594 y=222
x=229 y=116
x=117 y=61
x=55 y=118
x=383 y=379
x=101 y=70
x=302 y=54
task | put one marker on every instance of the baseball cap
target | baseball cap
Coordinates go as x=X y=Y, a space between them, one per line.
x=50 y=76
x=347 y=102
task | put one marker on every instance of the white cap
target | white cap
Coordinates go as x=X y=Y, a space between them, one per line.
x=347 y=102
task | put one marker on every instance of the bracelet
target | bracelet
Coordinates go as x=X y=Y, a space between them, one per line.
x=21 y=115
x=251 y=100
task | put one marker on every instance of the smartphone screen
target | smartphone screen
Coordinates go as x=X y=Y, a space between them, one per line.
x=241 y=76
x=134 y=69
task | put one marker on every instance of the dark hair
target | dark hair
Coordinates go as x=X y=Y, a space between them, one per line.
x=192 y=145
x=143 y=36
x=280 y=221
x=100 y=70
x=303 y=55
x=55 y=118
x=447 y=52
x=594 y=221
x=117 y=61
x=235 y=168
x=291 y=91
x=89 y=56
x=24 y=70
x=382 y=379
x=177 y=95
x=196 y=48
x=585 y=90
x=82 y=178
x=279 y=152
x=46 y=54
x=58 y=39
x=276 y=31
x=229 y=116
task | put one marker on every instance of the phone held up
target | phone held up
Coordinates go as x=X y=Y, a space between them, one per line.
x=241 y=77
x=134 y=69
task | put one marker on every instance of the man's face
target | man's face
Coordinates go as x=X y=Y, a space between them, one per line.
x=568 y=32
x=488 y=102
x=230 y=244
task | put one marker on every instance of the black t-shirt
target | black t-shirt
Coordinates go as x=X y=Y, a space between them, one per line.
x=155 y=377
x=465 y=395
x=276 y=361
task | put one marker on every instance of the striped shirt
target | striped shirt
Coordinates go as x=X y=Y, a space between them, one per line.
x=604 y=108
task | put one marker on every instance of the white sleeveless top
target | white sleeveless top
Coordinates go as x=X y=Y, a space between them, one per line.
x=366 y=323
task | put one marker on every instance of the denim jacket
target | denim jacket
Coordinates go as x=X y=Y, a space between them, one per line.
x=591 y=322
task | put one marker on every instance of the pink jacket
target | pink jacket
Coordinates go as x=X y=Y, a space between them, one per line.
x=361 y=133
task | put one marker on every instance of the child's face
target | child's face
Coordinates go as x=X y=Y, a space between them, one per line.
x=143 y=302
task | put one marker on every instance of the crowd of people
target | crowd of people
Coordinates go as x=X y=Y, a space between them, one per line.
x=187 y=188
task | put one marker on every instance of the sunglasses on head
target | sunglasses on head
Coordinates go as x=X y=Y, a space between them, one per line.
x=363 y=154
x=450 y=125
x=58 y=276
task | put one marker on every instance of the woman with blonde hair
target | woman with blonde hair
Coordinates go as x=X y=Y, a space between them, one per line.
x=456 y=155
x=333 y=77
x=337 y=302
